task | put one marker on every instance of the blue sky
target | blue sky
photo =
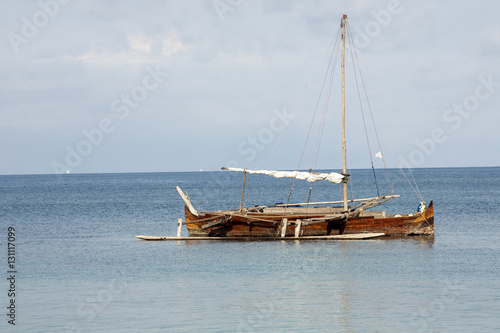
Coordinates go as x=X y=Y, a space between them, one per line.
x=128 y=86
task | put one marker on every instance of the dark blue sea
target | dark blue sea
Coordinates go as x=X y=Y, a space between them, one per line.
x=79 y=268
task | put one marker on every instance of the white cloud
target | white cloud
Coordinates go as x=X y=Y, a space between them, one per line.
x=140 y=42
x=172 y=44
x=227 y=76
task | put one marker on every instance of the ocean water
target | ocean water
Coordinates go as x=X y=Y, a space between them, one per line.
x=79 y=268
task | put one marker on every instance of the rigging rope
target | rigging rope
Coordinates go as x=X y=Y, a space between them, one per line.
x=322 y=122
x=309 y=197
x=362 y=110
x=315 y=111
x=326 y=98
x=414 y=186
x=317 y=104
x=303 y=91
x=269 y=152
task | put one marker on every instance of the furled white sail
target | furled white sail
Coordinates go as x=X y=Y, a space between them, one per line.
x=332 y=177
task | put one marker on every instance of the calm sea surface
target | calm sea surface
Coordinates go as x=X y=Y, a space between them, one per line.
x=79 y=267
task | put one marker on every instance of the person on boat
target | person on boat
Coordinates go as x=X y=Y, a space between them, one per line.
x=421 y=207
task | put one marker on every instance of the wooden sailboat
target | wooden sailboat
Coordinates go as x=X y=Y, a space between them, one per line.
x=310 y=219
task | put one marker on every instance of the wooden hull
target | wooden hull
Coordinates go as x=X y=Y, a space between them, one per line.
x=260 y=224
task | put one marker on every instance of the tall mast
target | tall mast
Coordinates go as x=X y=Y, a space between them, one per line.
x=344 y=162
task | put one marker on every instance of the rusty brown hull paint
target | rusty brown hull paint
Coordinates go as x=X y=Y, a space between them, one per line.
x=245 y=226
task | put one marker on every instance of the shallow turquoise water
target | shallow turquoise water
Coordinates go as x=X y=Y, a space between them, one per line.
x=80 y=267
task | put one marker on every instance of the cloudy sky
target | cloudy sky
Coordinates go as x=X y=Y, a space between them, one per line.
x=131 y=86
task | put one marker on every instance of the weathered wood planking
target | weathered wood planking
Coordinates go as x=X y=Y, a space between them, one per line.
x=261 y=224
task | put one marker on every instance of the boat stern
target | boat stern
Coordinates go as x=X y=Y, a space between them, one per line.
x=424 y=223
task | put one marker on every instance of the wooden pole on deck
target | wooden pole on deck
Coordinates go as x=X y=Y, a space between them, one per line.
x=342 y=66
x=187 y=201
x=179 y=227
x=283 y=227
x=298 y=224
x=243 y=190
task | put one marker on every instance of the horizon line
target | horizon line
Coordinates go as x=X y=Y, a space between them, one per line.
x=201 y=171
